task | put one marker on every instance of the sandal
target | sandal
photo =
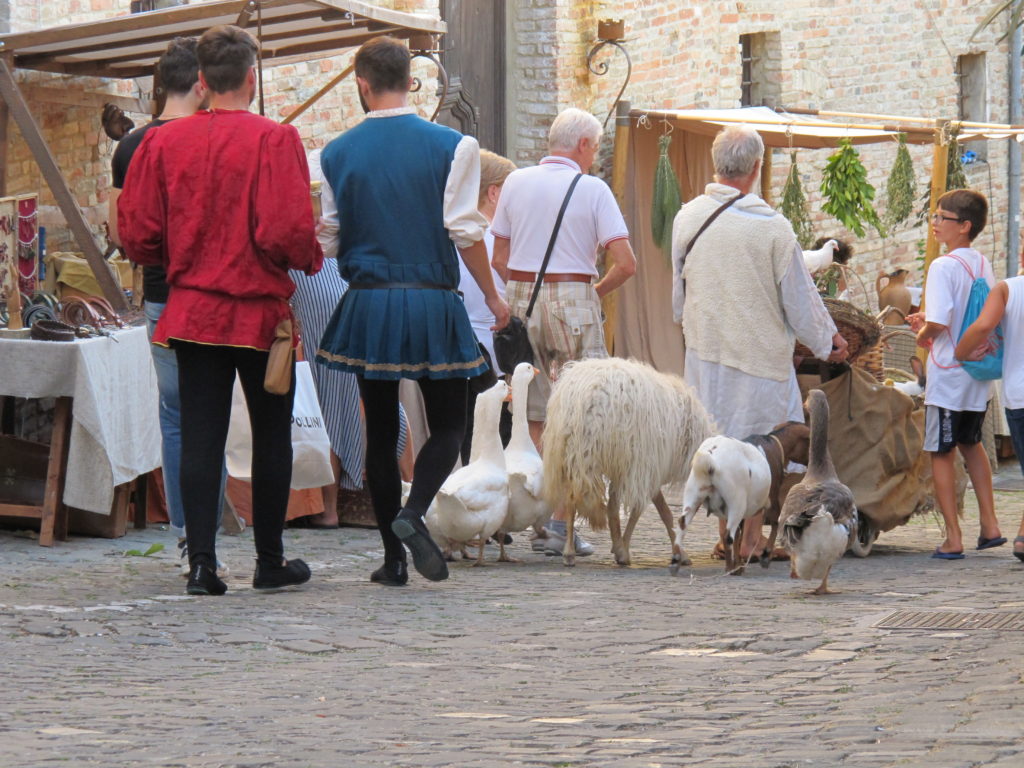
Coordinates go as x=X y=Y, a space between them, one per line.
x=1018 y=553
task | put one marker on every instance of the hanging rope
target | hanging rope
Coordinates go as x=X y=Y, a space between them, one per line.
x=666 y=200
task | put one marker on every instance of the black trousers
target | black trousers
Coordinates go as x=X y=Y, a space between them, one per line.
x=206 y=377
x=445 y=403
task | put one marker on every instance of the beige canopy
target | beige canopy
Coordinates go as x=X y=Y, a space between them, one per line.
x=128 y=46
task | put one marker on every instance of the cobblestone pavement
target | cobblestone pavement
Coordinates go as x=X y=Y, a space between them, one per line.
x=106 y=662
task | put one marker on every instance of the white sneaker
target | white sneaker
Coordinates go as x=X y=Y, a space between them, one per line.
x=222 y=569
x=554 y=544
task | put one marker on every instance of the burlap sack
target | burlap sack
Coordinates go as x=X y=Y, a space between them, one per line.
x=875 y=439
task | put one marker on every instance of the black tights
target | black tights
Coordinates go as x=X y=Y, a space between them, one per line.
x=445 y=403
x=206 y=377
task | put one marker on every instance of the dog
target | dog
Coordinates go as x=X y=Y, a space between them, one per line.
x=790 y=441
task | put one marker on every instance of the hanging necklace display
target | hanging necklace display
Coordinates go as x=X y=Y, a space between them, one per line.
x=28 y=242
x=8 y=247
x=665 y=202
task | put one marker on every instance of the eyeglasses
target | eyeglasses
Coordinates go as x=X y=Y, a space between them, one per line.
x=937 y=217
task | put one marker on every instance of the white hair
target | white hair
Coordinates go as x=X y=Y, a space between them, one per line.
x=736 y=151
x=570 y=127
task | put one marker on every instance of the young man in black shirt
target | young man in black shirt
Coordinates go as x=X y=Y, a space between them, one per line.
x=179 y=77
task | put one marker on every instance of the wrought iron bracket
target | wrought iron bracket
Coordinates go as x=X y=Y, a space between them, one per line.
x=601 y=68
x=426 y=48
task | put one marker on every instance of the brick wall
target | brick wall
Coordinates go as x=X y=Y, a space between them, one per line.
x=887 y=56
x=884 y=57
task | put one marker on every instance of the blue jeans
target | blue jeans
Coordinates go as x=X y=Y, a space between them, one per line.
x=165 y=363
x=1015 y=418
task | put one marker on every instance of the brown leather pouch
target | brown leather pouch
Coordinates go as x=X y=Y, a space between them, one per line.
x=278 y=379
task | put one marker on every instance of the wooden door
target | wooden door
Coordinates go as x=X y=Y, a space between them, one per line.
x=474 y=57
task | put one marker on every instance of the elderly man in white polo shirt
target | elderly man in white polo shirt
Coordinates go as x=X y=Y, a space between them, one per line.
x=566 y=321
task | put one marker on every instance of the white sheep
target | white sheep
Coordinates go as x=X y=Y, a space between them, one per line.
x=621 y=425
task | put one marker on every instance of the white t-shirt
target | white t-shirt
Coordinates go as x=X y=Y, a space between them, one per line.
x=529 y=204
x=945 y=301
x=480 y=317
x=1013 y=345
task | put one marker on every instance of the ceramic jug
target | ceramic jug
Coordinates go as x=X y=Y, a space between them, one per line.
x=893 y=294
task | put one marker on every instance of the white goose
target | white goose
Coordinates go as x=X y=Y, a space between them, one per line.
x=473 y=501
x=526 y=505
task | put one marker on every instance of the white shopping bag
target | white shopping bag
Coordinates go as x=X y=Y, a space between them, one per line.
x=311 y=447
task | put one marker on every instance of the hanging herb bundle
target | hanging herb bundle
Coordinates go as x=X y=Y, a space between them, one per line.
x=899 y=188
x=666 y=200
x=794 y=205
x=955 y=176
x=847 y=193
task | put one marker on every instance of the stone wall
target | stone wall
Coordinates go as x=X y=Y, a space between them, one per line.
x=887 y=56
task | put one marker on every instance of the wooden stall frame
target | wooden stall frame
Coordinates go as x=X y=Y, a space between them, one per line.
x=128 y=47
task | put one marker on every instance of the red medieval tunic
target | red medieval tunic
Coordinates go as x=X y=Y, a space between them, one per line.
x=221 y=201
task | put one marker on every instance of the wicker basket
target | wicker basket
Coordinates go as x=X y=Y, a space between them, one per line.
x=860 y=329
x=901 y=345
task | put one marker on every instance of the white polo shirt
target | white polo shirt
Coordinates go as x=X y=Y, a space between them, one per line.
x=529 y=204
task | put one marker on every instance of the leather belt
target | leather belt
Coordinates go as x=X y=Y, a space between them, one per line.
x=52 y=330
x=421 y=286
x=557 y=277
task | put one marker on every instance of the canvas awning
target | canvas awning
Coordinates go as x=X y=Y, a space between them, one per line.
x=128 y=46
x=779 y=130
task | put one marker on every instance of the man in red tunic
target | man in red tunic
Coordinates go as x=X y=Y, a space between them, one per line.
x=221 y=200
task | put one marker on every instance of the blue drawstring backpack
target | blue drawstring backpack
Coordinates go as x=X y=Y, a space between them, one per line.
x=991 y=365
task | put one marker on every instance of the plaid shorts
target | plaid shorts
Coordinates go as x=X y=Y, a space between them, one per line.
x=566 y=325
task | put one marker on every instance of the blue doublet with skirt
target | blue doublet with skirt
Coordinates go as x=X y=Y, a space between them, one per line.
x=388 y=175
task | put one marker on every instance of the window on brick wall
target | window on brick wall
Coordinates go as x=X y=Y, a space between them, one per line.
x=761 y=70
x=973 y=98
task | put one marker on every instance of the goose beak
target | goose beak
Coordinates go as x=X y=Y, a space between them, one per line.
x=508 y=397
x=536 y=371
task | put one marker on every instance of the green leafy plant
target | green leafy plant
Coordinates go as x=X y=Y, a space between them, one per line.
x=847 y=192
x=899 y=188
x=666 y=200
x=955 y=176
x=794 y=205
x=153 y=549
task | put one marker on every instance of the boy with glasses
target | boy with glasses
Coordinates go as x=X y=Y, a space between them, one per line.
x=955 y=403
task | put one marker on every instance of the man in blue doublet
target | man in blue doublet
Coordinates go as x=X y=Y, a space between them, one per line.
x=405 y=193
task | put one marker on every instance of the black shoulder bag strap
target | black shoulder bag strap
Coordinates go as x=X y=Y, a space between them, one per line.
x=689 y=246
x=551 y=245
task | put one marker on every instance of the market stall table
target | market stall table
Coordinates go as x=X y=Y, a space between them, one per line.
x=106 y=429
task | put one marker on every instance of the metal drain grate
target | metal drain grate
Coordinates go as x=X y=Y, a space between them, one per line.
x=952 y=620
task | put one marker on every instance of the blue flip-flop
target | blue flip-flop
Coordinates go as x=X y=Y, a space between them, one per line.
x=940 y=555
x=984 y=543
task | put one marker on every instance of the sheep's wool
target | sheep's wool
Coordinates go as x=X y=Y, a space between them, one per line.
x=733 y=313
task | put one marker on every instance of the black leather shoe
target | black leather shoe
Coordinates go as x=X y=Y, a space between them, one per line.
x=203 y=580
x=426 y=555
x=391 y=574
x=292 y=573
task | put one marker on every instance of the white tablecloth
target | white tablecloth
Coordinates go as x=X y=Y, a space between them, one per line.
x=115 y=430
